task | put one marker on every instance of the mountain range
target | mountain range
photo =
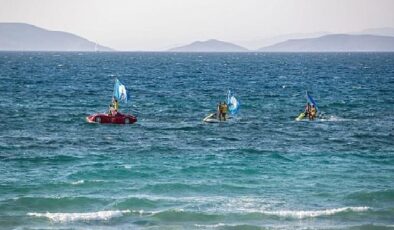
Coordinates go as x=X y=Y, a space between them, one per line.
x=369 y=40
x=211 y=45
x=26 y=37
x=335 y=43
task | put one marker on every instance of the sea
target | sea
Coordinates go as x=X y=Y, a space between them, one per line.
x=170 y=170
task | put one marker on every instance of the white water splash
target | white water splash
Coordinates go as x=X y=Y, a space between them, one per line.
x=78 y=182
x=317 y=213
x=218 y=225
x=87 y=216
x=332 y=118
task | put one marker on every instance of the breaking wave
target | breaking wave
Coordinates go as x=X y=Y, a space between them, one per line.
x=317 y=213
x=86 y=216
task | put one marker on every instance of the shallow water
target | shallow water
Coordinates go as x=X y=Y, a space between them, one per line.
x=170 y=170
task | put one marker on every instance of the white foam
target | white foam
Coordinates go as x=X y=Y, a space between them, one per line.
x=86 y=216
x=219 y=225
x=78 y=182
x=309 y=214
x=332 y=118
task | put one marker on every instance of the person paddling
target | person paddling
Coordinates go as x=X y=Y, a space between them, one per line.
x=307 y=109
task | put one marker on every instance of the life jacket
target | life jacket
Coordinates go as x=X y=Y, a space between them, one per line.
x=224 y=108
x=116 y=105
x=313 y=111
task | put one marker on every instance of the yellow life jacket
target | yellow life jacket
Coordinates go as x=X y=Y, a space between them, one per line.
x=224 y=108
x=220 y=108
x=116 y=105
x=313 y=111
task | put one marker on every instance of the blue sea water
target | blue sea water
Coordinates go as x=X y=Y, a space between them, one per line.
x=172 y=171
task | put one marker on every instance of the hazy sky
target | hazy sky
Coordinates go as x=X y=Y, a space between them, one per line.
x=161 y=24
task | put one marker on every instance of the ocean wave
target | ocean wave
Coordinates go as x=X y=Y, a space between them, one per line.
x=183 y=215
x=316 y=213
x=42 y=159
x=87 y=216
x=210 y=225
x=77 y=182
x=134 y=202
x=52 y=203
x=374 y=196
x=228 y=226
x=187 y=215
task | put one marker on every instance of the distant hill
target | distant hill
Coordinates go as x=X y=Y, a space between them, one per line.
x=268 y=41
x=26 y=37
x=209 y=46
x=387 y=31
x=335 y=43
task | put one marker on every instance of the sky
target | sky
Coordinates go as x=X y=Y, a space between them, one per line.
x=163 y=24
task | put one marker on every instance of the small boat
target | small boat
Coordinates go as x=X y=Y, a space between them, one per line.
x=310 y=100
x=114 y=117
x=119 y=118
x=213 y=118
x=233 y=107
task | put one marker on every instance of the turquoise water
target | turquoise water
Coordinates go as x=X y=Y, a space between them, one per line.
x=170 y=170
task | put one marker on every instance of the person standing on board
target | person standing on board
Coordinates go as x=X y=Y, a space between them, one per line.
x=218 y=114
x=224 y=112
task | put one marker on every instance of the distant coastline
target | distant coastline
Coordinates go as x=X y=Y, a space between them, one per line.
x=29 y=38
x=26 y=37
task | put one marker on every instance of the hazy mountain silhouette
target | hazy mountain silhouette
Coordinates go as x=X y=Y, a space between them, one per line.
x=387 y=31
x=26 y=37
x=268 y=41
x=209 y=46
x=335 y=43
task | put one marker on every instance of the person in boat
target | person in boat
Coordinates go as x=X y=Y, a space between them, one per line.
x=114 y=107
x=307 y=109
x=312 y=112
x=110 y=108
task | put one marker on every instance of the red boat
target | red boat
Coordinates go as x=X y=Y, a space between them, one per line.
x=118 y=118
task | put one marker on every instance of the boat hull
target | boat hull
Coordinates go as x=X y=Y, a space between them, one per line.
x=212 y=118
x=119 y=118
x=300 y=117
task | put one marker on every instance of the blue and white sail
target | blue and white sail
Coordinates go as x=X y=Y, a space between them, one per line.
x=232 y=103
x=310 y=99
x=120 y=92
